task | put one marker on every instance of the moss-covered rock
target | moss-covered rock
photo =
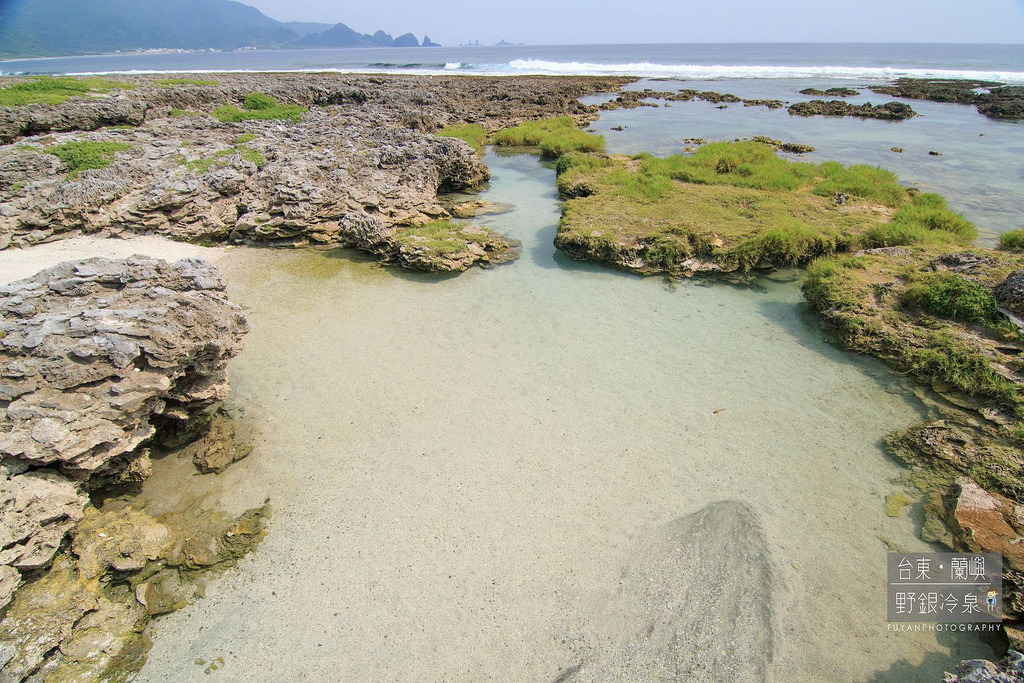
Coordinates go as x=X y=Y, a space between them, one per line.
x=445 y=246
x=84 y=618
x=736 y=207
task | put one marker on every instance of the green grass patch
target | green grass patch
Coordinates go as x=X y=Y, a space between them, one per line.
x=259 y=107
x=472 y=133
x=926 y=219
x=219 y=158
x=787 y=245
x=440 y=237
x=573 y=168
x=740 y=164
x=171 y=82
x=866 y=182
x=206 y=163
x=1012 y=241
x=50 y=90
x=554 y=137
x=965 y=369
x=253 y=156
x=738 y=204
x=827 y=284
x=244 y=138
x=953 y=296
x=83 y=154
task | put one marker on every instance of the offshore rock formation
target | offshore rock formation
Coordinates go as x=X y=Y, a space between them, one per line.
x=98 y=358
x=992 y=99
x=631 y=99
x=830 y=92
x=890 y=111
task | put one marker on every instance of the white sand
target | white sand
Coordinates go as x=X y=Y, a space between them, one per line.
x=16 y=264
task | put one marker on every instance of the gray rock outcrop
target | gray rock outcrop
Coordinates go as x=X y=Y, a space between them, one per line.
x=360 y=164
x=95 y=353
x=98 y=357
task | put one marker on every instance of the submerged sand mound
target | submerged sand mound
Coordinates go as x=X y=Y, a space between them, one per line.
x=695 y=604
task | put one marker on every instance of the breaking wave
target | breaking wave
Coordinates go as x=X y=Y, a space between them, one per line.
x=702 y=72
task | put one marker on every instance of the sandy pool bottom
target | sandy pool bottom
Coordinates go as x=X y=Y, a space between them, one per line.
x=464 y=471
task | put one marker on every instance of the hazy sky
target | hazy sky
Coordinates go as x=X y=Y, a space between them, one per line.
x=549 y=22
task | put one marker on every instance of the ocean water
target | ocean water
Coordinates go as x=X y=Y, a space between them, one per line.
x=693 y=61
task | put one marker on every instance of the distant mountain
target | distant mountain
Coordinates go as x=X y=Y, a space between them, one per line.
x=303 y=28
x=341 y=35
x=35 y=28
x=49 y=27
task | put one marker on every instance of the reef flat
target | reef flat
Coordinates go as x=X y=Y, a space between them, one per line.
x=273 y=159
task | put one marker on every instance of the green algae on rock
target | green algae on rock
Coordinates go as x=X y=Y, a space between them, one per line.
x=895 y=502
x=445 y=246
x=736 y=207
x=84 y=618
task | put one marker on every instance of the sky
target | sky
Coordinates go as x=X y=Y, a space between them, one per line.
x=558 y=22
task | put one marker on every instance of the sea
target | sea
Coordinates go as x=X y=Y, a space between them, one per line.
x=463 y=470
x=871 y=61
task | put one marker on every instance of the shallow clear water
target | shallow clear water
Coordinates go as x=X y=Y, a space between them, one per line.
x=461 y=467
x=980 y=172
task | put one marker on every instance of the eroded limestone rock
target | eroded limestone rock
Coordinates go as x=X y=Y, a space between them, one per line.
x=988 y=522
x=38 y=508
x=84 y=618
x=94 y=353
